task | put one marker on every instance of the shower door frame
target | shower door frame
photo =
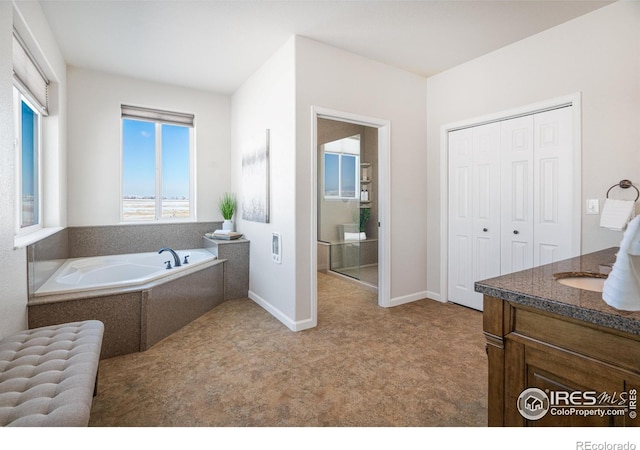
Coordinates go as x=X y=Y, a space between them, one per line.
x=384 y=207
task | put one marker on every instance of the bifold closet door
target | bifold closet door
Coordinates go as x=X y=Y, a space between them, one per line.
x=537 y=189
x=517 y=194
x=474 y=211
x=510 y=199
x=553 y=186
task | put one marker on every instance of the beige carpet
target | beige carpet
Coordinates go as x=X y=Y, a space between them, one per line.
x=420 y=364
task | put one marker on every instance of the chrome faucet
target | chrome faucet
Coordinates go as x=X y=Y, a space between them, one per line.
x=176 y=258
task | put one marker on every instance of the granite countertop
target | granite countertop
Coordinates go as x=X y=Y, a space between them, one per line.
x=537 y=288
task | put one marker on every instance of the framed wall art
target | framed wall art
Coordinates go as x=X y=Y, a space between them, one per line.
x=255 y=179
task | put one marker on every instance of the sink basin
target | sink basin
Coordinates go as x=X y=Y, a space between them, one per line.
x=587 y=281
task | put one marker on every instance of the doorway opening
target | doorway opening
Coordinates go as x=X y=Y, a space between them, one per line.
x=347 y=201
x=350 y=205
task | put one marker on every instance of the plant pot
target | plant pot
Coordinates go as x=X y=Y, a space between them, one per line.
x=228 y=225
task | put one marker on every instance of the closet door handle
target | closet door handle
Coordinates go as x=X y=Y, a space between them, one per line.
x=485 y=229
x=515 y=231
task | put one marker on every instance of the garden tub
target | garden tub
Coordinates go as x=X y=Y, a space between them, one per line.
x=137 y=298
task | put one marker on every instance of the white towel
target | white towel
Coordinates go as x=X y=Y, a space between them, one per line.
x=616 y=214
x=354 y=236
x=622 y=287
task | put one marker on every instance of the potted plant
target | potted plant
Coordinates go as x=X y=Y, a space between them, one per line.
x=365 y=215
x=227 y=206
x=360 y=219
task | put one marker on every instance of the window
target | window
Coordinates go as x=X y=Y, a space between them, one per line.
x=28 y=174
x=157 y=165
x=30 y=103
x=341 y=168
x=340 y=175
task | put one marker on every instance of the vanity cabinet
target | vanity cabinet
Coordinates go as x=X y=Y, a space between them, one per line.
x=529 y=347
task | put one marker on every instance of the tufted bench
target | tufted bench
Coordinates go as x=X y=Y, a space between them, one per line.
x=48 y=375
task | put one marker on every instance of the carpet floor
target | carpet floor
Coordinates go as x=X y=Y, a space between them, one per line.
x=420 y=364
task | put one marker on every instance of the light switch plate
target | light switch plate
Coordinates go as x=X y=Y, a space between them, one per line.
x=593 y=206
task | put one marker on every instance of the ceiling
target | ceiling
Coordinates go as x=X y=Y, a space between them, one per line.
x=216 y=45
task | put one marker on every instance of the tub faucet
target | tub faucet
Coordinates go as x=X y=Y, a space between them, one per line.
x=176 y=258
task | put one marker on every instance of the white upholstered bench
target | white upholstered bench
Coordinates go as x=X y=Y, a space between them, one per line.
x=48 y=375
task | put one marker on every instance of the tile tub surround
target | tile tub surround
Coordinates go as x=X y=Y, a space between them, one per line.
x=139 y=238
x=142 y=315
x=537 y=288
x=46 y=256
x=235 y=253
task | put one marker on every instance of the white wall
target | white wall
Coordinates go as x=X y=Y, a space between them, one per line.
x=13 y=277
x=331 y=78
x=33 y=27
x=280 y=96
x=94 y=142
x=266 y=101
x=29 y=20
x=598 y=55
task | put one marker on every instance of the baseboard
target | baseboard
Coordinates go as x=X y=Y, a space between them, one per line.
x=300 y=325
x=435 y=296
x=409 y=298
x=282 y=317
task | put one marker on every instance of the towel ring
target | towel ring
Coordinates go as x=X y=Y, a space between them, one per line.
x=625 y=184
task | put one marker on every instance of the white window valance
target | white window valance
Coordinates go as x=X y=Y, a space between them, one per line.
x=28 y=77
x=157 y=115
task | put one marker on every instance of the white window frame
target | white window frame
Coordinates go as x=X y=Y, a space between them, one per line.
x=158 y=170
x=356 y=194
x=18 y=98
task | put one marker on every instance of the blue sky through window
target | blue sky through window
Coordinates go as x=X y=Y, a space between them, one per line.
x=340 y=172
x=348 y=176
x=331 y=175
x=139 y=160
x=28 y=150
x=29 y=162
x=175 y=162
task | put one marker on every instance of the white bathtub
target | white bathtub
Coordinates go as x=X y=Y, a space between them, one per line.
x=118 y=271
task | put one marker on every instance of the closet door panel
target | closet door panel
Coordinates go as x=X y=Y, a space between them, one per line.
x=553 y=185
x=460 y=254
x=548 y=253
x=486 y=202
x=517 y=194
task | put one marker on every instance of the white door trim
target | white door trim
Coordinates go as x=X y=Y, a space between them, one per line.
x=574 y=100
x=384 y=207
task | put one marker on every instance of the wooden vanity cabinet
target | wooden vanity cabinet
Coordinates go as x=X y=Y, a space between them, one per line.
x=527 y=348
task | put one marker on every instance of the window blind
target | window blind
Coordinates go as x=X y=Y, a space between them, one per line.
x=28 y=76
x=157 y=115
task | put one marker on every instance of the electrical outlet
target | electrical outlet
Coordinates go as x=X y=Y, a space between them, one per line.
x=593 y=206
